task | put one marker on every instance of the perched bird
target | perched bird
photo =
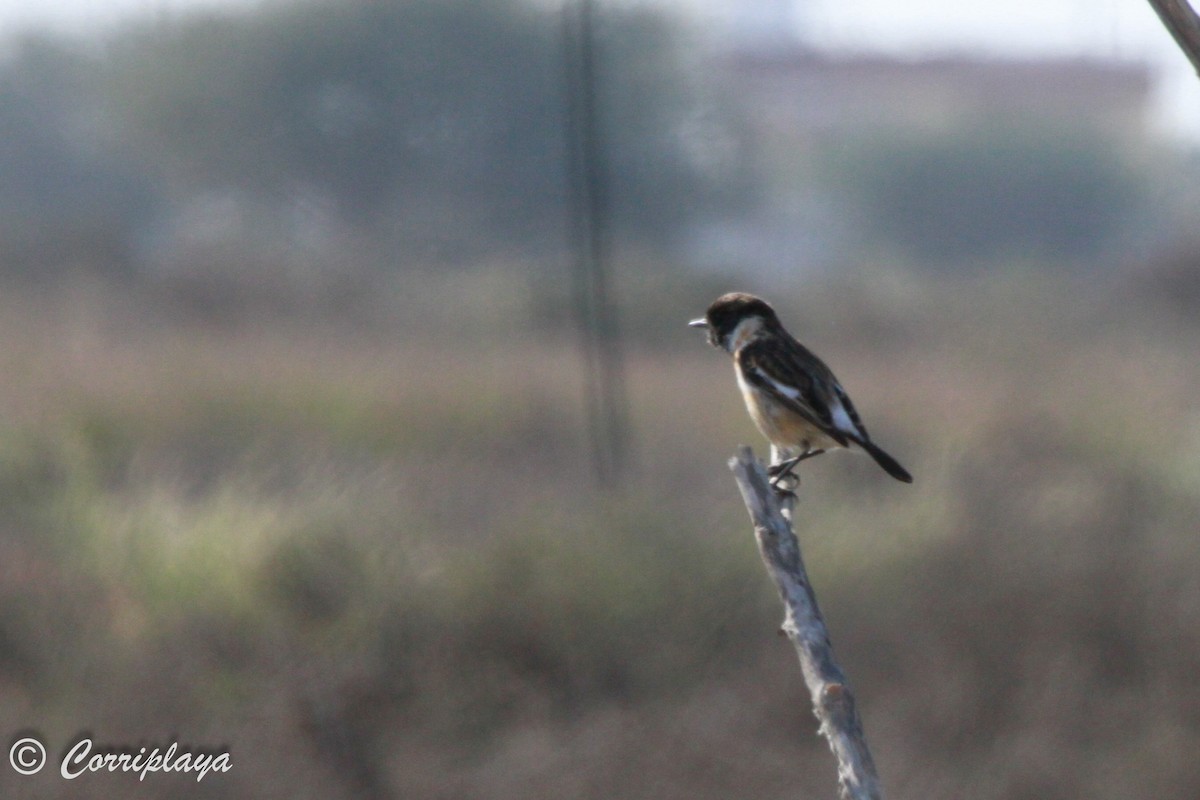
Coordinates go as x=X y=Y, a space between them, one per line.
x=791 y=395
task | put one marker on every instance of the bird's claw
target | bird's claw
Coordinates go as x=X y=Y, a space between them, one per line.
x=784 y=479
x=783 y=494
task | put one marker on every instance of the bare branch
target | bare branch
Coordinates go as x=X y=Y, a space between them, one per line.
x=1184 y=25
x=833 y=701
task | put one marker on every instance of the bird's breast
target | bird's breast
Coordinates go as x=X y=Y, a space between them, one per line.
x=782 y=426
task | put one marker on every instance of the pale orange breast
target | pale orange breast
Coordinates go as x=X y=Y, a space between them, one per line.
x=783 y=427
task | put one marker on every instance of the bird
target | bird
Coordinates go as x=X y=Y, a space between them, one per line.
x=792 y=396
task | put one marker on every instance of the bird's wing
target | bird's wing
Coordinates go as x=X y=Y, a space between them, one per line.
x=853 y=425
x=800 y=381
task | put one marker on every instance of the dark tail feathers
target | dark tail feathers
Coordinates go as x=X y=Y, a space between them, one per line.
x=890 y=465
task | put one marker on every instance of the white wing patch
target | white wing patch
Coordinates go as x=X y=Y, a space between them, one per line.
x=787 y=391
x=837 y=411
x=841 y=419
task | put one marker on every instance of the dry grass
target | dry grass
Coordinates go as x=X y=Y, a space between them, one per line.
x=368 y=555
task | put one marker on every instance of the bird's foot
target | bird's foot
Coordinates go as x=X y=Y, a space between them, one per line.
x=787 y=468
x=784 y=495
x=780 y=470
x=782 y=474
x=784 y=482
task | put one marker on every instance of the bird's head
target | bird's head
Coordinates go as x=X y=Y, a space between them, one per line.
x=735 y=318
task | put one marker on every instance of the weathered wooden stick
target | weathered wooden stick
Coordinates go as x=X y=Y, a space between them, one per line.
x=833 y=701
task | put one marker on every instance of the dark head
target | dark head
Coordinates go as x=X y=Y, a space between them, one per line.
x=734 y=318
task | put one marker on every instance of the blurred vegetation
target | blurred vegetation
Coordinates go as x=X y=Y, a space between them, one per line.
x=368 y=556
x=334 y=141
x=1007 y=191
x=422 y=133
x=292 y=442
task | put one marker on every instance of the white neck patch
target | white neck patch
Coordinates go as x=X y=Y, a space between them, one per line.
x=745 y=330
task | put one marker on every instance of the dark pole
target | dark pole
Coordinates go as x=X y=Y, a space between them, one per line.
x=1183 y=24
x=604 y=382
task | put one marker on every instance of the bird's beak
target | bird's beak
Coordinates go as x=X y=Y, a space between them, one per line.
x=698 y=323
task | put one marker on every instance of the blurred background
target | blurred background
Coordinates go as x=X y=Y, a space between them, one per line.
x=349 y=419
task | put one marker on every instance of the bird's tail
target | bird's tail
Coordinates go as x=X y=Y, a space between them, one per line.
x=890 y=465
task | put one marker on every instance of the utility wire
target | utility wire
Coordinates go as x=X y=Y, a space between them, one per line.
x=589 y=211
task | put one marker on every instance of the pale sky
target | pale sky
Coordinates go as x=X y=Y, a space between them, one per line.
x=1126 y=29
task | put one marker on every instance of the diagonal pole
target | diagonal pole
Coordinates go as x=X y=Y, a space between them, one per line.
x=1183 y=24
